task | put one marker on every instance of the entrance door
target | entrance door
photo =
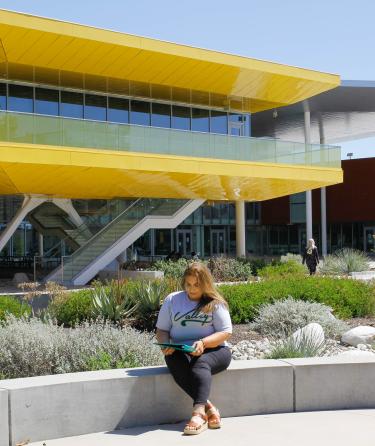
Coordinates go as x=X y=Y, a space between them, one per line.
x=368 y=238
x=184 y=241
x=218 y=244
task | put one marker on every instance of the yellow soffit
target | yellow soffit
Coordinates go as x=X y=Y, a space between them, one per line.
x=86 y=173
x=52 y=45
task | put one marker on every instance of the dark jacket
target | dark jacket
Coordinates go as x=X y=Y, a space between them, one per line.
x=310 y=259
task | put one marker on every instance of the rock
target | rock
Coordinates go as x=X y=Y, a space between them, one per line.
x=20 y=278
x=356 y=352
x=359 y=335
x=311 y=331
x=362 y=347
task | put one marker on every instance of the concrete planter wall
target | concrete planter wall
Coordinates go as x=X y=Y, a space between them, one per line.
x=46 y=407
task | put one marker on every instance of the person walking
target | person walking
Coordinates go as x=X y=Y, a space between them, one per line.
x=311 y=256
x=199 y=317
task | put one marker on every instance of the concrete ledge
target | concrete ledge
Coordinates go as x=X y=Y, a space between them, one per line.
x=333 y=383
x=4 y=420
x=46 y=407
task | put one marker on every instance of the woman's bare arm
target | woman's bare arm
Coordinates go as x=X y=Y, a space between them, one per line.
x=210 y=341
x=163 y=336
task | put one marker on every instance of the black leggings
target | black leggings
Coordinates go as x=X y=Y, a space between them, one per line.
x=194 y=373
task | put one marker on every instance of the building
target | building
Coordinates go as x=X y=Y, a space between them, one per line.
x=350 y=215
x=110 y=141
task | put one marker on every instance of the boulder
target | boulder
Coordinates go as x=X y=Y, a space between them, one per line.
x=356 y=353
x=359 y=335
x=311 y=331
x=20 y=278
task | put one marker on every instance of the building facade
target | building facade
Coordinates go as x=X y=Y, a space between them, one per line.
x=112 y=144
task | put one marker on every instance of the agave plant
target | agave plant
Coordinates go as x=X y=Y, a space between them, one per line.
x=111 y=301
x=149 y=297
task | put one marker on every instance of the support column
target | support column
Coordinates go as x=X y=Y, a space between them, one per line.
x=323 y=198
x=67 y=206
x=323 y=211
x=40 y=244
x=29 y=203
x=240 y=229
x=308 y=192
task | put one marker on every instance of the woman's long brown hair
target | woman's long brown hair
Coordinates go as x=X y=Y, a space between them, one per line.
x=210 y=297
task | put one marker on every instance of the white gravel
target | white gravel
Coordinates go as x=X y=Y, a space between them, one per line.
x=259 y=349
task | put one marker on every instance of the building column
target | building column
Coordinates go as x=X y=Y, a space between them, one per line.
x=40 y=245
x=308 y=192
x=240 y=229
x=29 y=203
x=323 y=198
x=323 y=211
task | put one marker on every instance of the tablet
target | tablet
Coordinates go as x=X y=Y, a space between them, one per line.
x=183 y=347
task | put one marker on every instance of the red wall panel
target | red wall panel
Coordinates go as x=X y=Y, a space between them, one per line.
x=353 y=200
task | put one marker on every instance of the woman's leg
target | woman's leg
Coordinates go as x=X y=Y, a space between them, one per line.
x=202 y=368
x=179 y=365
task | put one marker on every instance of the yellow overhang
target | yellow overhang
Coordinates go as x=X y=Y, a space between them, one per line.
x=51 y=51
x=86 y=173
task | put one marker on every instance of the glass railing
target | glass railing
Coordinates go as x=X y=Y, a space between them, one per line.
x=58 y=131
x=117 y=228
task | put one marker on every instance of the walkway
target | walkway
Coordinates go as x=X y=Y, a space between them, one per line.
x=341 y=428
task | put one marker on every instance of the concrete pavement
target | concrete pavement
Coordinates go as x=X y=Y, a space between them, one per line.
x=331 y=428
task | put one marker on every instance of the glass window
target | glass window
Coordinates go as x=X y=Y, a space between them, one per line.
x=3 y=96
x=219 y=122
x=200 y=120
x=206 y=214
x=20 y=98
x=239 y=124
x=71 y=104
x=180 y=117
x=216 y=213
x=46 y=101
x=163 y=244
x=118 y=110
x=95 y=107
x=140 y=112
x=161 y=115
x=224 y=213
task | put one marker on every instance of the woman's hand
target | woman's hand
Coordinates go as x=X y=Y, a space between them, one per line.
x=199 y=348
x=167 y=351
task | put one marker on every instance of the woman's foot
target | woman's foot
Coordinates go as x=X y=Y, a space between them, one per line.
x=213 y=416
x=196 y=425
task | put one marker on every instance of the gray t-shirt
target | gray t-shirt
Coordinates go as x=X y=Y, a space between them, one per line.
x=179 y=316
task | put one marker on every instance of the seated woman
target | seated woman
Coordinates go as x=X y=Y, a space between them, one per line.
x=199 y=317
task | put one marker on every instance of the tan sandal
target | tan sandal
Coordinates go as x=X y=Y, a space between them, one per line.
x=195 y=426
x=213 y=416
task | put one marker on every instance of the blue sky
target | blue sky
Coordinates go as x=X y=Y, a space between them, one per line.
x=335 y=36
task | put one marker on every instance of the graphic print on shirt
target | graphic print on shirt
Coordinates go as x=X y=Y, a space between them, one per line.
x=193 y=315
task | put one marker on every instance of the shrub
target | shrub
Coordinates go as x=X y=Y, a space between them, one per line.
x=281 y=270
x=70 y=308
x=228 y=269
x=31 y=348
x=303 y=346
x=347 y=297
x=288 y=315
x=289 y=257
x=345 y=261
x=171 y=268
x=11 y=305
